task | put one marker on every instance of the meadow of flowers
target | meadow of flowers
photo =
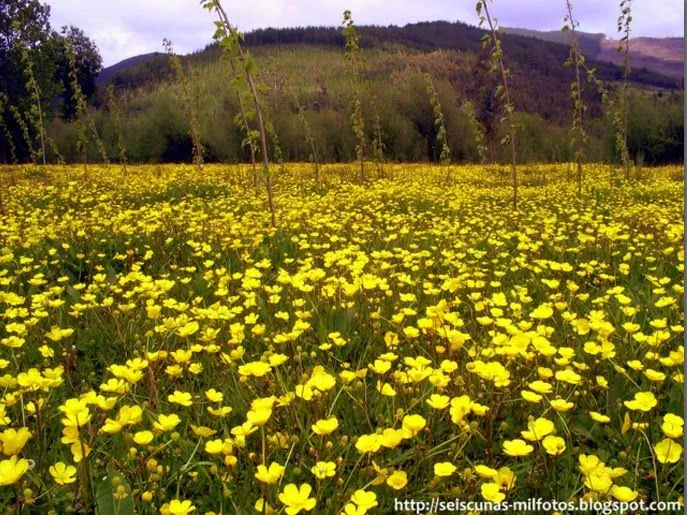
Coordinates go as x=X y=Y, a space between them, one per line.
x=163 y=349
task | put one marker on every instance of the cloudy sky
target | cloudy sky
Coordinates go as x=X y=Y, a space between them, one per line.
x=124 y=28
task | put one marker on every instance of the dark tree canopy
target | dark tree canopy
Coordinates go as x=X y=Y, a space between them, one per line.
x=25 y=29
x=88 y=64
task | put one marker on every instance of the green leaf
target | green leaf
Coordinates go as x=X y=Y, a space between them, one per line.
x=105 y=496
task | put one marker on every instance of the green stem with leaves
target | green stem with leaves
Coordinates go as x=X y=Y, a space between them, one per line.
x=82 y=108
x=36 y=112
x=442 y=137
x=353 y=58
x=117 y=122
x=502 y=91
x=229 y=40
x=476 y=129
x=624 y=27
x=189 y=108
x=576 y=59
x=310 y=140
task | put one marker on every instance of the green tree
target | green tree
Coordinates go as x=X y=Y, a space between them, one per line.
x=87 y=62
x=354 y=60
x=27 y=37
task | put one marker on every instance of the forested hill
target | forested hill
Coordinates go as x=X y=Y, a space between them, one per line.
x=527 y=53
x=309 y=62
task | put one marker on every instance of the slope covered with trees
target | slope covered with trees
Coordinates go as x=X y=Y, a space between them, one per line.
x=305 y=66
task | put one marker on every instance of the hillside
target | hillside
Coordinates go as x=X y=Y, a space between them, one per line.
x=310 y=62
x=664 y=56
x=590 y=43
x=539 y=55
x=107 y=73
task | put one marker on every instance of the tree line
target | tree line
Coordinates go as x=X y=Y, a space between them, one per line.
x=305 y=78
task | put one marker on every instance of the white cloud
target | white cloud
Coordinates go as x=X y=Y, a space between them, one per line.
x=123 y=28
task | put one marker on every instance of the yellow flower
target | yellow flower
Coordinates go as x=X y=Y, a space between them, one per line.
x=673 y=426
x=56 y=334
x=177 y=507
x=203 y=431
x=255 y=369
x=623 y=493
x=654 y=375
x=181 y=398
x=321 y=380
x=568 y=376
x=166 y=422
x=76 y=413
x=390 y=438
x=411 y=332
x=143 y=437
x=324 y=469
x=537 y=429
x=380 y=366
x=554 y=445
x=12 y=470
x=444 y=469
x=188 y=329
x=386 y=389
x=438 y=401
x=324 y=427
x=491 y=492
x=541 y=386
x=530 y=396
x=542 y=312
x=643 y=401
x=352 y=509
x=262 y=507
x=63 y=474
x=297 y=499
x=412 y=425
x=562 y=405
x=505 y=477
x=598 y=417
x=598 y=481
x=517 y=448
x=269 y=475
x=215 y=447
x=214 y=396
x=589 y=464
x=259 y=417
x=668 y=451
x=13 y=440
x=485 y=472
x=368 y=443
x=364 y=500
x=398 y=480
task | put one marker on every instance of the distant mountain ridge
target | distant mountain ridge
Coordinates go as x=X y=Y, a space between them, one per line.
x=109 y=72
x=661 y=55
x=655 y=61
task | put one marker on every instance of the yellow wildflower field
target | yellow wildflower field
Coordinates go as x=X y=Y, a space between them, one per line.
x=163 y=349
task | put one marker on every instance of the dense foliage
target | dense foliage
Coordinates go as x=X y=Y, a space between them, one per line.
x=157 y=128
x=26 y=37
x=396 y=57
